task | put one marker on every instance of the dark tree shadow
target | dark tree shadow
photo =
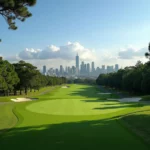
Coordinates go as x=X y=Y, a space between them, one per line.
x=92 y=92
x=120 y=106
x=85 y=135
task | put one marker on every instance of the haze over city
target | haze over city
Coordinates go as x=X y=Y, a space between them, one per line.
x=106 y=32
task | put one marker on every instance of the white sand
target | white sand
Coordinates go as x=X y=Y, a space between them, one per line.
x=64 y=87
x=104 y=93
x=131 y=99
x=22 y=99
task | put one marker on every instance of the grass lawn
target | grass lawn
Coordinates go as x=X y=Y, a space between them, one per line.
x=69 y=119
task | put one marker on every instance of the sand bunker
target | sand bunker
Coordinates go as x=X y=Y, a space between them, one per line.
x=131 y=99
x=23 y=99
x=104 y=93
x=65 y=87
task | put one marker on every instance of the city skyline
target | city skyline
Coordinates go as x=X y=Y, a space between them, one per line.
x=82 y=69
x=111 y=37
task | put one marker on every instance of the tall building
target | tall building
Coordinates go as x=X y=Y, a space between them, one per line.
x=73 y=70
x=82 y=68
x=88 y=69
x=61 y=70
x=57 y=72
x=98 y=71
x=116 y=67
x=103 y=69
x=44 y=70
x=110 y=69
x=66 y=69
x=93 y=68
x=77 y=65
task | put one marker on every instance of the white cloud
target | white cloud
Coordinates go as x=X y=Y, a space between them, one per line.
x=53 y=56
x=14 y=58
x=29 y=54
x=65 y=52
x=131 y=52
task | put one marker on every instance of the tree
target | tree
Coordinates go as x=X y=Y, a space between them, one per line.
x=8 y=77
x=15 y=9
x=147 y=54
x=26 y=72
x=145 y=85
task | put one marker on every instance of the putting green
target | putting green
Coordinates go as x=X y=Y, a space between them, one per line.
x=75 y=107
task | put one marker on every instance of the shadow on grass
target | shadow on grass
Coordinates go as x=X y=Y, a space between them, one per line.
x=100 y=100
x=86 y=135
x=92 y=92
x=120 y=106
x=139 y=123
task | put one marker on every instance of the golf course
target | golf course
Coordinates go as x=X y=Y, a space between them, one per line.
x=77 y=117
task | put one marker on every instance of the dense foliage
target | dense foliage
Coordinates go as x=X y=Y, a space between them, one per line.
x=134 y=79
x=81 y=81
x=15 y=9
x=23 y=76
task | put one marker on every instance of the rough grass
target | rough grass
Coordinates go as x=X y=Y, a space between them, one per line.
x=83 y=132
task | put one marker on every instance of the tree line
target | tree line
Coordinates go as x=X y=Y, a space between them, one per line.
x=81 y=81
x=134 y=79
x=22 y=77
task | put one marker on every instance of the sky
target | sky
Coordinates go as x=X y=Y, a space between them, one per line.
x=104 y=31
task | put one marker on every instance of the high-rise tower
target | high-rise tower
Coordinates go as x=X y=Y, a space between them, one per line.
x=93 y=68
x=44 y=70
x=77 y=65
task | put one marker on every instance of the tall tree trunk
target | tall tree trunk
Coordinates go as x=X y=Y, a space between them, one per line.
x=20 y=92
x=15 y=92
x=7 y=92
x=25 y=90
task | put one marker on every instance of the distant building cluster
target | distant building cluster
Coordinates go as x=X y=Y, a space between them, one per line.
x=80 y=70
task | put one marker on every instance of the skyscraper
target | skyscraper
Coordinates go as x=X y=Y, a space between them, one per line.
x=116 y=67
x=88 y=69
x=61 y=70
x=103 y=67
x=77 y=65
x=44 y=70
x=93 y=69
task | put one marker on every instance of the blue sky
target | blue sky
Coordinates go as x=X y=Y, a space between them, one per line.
x=103 y=25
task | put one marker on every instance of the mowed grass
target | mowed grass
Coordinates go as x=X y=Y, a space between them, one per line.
x=7 y=117
x=69 y=122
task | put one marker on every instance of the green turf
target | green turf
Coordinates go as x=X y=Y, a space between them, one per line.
x=7 y=117
x=76 y=107
x=71 y=119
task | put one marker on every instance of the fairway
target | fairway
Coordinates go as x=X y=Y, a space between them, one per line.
x=70 y=119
